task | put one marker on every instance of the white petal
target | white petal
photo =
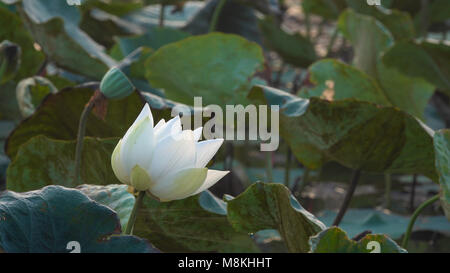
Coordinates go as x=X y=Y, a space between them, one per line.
x=138 y=145
x=212 y=178
x=206 y=150
x=118 y=166
x=159 y=125
x=172 y=127
x=145 y=112
x=180 y=184
x=173 y=153
x=198 y=133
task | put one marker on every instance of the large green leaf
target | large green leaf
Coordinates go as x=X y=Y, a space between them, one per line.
x=54 y=25
x=42 y=161
x=370 y=39
x=337 y=80
x=116 y=197
x=215 y=66
x=194 y=224
x=335 y=240
x=442 y=151
x=13 y=30
x=357 y=134
x=293 y=48
x=426 y=60
x=272 y=206
x=59 y=114
x=48 y=219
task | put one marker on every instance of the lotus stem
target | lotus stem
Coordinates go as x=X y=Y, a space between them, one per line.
x=388 y=185
x=132 y=219
x=161 y=15
x=413 y=193
x=348 y=197
x=332 y=40
x=308 y=26
x=305 y=179
x=287 y=170
x=269 y=167
x=414 y=217
x=82 y=130
x=216 y=14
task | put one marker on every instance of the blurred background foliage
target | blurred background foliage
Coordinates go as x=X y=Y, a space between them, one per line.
x=349 y=58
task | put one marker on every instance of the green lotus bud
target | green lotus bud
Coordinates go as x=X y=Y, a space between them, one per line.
x=31 y=91
x=115 y=84
x=9 y=60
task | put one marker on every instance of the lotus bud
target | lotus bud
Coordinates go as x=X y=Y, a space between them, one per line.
x=115 y=84
x=9 y=60
x=163 y=160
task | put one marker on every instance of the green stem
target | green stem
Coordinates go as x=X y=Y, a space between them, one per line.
x=320 y=30
x=348 y=197
x=216 y=14
x=269 y=166
x=81 y=132
x=132 y=219
x=308 y=26
x=388 y=185
x=305 y=180
x=287 y=170
x=413 y=193
x=332 y=40
x=414 y=217
x=425 y=17
x=161 y=15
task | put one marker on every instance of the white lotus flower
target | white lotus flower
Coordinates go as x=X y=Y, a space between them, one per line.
x=164 y=160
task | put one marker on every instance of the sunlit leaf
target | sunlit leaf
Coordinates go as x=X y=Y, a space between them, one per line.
x=216 y=67
x=370 y=39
